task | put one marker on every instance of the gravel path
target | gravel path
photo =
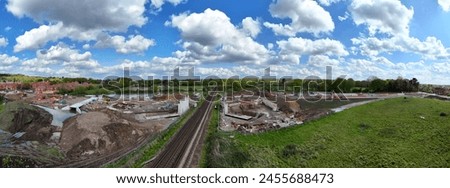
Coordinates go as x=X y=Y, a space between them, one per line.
x=348 y=106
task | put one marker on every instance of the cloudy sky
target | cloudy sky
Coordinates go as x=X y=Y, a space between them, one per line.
x=299 y=38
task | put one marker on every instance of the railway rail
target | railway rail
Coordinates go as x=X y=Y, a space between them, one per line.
x=180 y=151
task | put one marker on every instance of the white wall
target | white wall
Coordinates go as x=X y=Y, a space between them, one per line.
x=183 y=106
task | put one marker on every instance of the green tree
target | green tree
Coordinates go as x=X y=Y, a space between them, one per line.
x=26 y=86
x=125 y=82
x=414 y=83
x=349 y=85
x=337 y=85
x=80 y=91
x=296 y=85
x=378 y=85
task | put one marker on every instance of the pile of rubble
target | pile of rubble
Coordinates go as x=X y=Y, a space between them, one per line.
x=172 y=97
x=251 y=114
x=98 y=133
x=254 y=128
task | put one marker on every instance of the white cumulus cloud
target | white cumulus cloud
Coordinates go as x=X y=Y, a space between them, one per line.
x=211 y=37
x=445 y=5
x=251 y=26
x=3 y=42
x=292 y=49
x=305 y=16
x=328 y=2
x=382 y=16
x=430 y=48
x=38 y=37
x=77 y=20
x=85 y=14
x=157 y=4
x=64 y=55
x=134 y=44
x=322 y=61
x=6 y=60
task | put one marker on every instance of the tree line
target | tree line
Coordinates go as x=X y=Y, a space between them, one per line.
x=350 y=85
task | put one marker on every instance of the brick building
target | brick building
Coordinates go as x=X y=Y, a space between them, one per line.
x=10 y=86
x=41 y=89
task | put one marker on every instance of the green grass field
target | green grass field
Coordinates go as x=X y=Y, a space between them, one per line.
x=21 y=78
x=397 y=132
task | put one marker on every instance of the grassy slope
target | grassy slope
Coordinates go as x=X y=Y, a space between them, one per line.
x=389 y=133
x=212 y=130
x=7 y=112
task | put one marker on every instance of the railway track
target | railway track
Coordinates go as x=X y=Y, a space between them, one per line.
x=180 y=151
x=100 y=161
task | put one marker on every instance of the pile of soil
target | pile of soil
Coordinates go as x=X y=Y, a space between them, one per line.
x=310 y=115
x=289 y=107
x=98 y=133
x=172 y=97
x=33 y=121
x=15 y=96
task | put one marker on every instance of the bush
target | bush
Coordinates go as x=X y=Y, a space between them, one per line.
x=364 y=126
x=388 y=132
x=443 y=114
x=290 y=150
x=239 y=158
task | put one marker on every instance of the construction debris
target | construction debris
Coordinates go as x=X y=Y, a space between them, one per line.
x=251 y=114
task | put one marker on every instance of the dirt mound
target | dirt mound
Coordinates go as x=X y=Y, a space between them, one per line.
x=172 y=97
x=288 y=107
x=310 y=115
x=33 y=121
x=14 y=97
x=293 y=106
x=97 y=133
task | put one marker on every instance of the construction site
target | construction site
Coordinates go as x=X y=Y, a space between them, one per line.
x=259 y=113
x=41 y=128
x=252 y=114
x=61 y=130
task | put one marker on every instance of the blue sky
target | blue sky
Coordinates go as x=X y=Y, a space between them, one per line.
x=299 y=38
